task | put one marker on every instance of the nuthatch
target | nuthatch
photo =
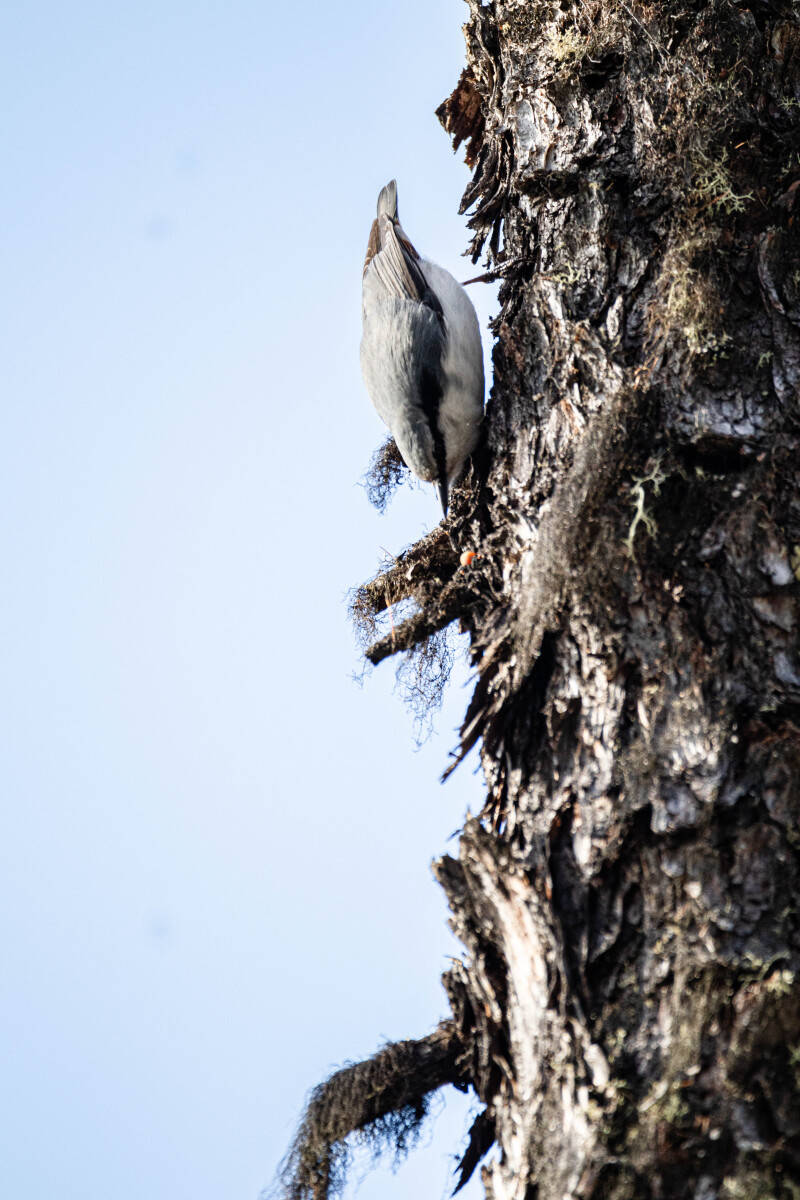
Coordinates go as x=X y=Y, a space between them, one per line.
x=421 y=353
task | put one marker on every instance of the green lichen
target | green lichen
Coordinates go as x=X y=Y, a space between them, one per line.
x=713 y=184
x=655 y=477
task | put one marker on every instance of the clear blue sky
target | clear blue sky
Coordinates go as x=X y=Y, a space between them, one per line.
x=214 y=847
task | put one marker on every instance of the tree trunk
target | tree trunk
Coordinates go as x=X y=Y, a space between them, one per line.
x=628 y=1010
x=628 y=896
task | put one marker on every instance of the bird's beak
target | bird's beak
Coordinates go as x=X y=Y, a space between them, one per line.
x=443 y=495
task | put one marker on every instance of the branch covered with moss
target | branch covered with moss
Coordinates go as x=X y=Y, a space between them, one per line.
x=383 y=1101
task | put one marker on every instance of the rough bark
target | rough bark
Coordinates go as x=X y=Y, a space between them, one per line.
x=628 y=1005
x=628 y=895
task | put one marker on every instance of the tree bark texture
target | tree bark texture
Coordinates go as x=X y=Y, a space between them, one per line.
x=628 y=897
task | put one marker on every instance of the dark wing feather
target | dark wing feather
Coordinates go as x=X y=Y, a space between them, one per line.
x=373 y=245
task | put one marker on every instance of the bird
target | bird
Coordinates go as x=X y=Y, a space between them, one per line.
x=421 y=352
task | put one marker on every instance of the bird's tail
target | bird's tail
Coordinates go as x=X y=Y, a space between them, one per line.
x=387 y=201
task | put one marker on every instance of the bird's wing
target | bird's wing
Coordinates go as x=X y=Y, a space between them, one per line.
x=397 y=267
